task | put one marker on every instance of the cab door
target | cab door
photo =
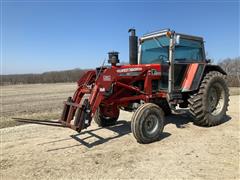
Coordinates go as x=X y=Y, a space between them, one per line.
x=188 y=61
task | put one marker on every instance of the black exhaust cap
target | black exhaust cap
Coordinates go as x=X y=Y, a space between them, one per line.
x=113 y=57
x=133 y=47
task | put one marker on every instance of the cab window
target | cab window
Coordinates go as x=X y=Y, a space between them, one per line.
x=155 y=50
x=188 y=50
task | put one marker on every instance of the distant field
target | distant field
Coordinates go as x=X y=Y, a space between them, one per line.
x=33 y=101
x=38 y=101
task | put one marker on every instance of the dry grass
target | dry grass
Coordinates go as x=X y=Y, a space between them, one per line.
x=38 y=101
x=234 y=91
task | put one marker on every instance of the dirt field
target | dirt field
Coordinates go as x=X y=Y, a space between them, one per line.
x=34 y=101
x=48 y=151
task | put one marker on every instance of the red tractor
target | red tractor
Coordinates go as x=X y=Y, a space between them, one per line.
x=166 y=70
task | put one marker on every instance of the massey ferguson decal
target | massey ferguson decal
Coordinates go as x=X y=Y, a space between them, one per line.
x=129 y=70
x=102 y=89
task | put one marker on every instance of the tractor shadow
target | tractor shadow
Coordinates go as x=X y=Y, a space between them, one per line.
x=121 y=128
x=182 y=119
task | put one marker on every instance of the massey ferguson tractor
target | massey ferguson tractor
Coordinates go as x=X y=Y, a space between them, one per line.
x=167 y=70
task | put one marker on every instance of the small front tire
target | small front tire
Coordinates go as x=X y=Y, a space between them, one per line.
x=147 y=123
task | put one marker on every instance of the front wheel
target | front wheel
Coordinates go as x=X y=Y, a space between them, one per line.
x=147 y=123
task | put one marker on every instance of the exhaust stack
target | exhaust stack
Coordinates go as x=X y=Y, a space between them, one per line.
x=133 y=47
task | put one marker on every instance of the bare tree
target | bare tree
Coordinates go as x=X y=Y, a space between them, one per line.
x=232 y=68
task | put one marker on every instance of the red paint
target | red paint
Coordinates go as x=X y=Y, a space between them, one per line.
x=118 y=79
x=187 y=82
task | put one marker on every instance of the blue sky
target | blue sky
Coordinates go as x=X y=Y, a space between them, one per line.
x=40 y=36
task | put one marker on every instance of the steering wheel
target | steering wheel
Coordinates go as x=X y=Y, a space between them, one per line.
x=163 y=57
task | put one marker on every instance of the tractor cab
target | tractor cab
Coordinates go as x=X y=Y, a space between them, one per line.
x=184 y=53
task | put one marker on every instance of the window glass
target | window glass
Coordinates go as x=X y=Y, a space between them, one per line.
x=155 y=51
x=188 y=50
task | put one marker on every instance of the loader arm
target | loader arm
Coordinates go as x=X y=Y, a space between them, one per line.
x=112 y=89
x=79 y=110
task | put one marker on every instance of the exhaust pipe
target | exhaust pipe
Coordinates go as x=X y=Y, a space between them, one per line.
x=133 y=47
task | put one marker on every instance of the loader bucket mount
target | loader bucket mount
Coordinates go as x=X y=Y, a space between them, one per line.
x=76 y=110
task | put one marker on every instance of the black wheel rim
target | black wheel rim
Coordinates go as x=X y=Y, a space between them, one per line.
x=216 y=99
x=151 y=125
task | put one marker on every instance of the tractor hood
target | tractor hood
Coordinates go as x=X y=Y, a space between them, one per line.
x=130 y=70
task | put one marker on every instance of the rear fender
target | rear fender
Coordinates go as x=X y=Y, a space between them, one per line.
x=211 y=67
x=202 y=70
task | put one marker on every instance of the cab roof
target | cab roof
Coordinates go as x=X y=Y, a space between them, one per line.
x=164 y=31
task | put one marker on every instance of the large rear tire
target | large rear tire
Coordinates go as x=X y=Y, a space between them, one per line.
x=147 y=123
x=209 y=105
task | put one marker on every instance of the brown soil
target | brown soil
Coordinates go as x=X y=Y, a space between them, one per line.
x=36 y=151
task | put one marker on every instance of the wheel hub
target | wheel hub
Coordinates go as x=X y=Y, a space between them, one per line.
x=151 y=125
x=216 y=99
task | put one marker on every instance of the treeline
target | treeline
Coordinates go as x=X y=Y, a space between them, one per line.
x=232 y=68
x=47 y=77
